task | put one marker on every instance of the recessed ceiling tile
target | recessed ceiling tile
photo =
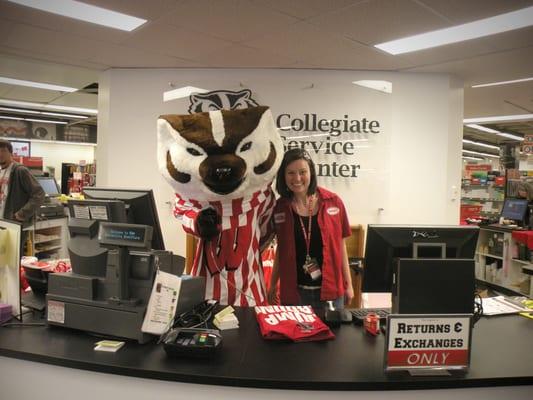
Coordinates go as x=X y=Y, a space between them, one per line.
x=239 y=56
x=304 y=9
x=54 y=59
x=149 y=10
x=4 y=89
x=234 y=20
x=501 y=66
x=51 y=42
x=126 y=57
x=325 y=50
x=173 y=41
x=32 y=94
x=55 y=73
x=5 y=29
x=461 y=11
x=53 y=22
x=511 y=40
x=377 y=21
x=449 y=52
x=83 y=100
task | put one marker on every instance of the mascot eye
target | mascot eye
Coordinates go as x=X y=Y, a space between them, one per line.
x=246 y=146
x=194 y=152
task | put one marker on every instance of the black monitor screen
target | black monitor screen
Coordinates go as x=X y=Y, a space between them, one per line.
x=514 y=209
x=140 y=208
x=385 y=243
x=49 y=185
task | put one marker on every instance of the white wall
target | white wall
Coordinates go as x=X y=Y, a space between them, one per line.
x=416 y=161
x=54 y=154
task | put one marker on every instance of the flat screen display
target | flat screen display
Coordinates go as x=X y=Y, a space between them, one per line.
x=49 y=186
x=514 y=209
x=125 y=235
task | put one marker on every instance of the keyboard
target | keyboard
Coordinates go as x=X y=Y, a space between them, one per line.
x=359 y=314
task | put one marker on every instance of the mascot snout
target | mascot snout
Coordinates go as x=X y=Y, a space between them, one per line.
x=222 y=174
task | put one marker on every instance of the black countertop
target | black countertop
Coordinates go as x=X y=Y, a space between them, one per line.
x=501 y=356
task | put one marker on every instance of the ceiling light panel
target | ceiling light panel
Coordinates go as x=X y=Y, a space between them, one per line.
x=510 y=136
x=85 y=12
x=38 y=85
x=480 y=154
x=472 y=30
x=182 y=92
x=52 y=114
x=498 y=118
x=382 y=86
x=503 y=83
x=488 y=146
x=48 y=106
x=482 y=128
x=34 y=120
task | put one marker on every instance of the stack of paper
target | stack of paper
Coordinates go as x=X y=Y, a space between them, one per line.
x=108 y=345
x=499 y=305
x=225 y=319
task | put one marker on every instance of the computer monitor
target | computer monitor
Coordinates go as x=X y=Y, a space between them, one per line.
x=49 y=185
x=386 y=243
x=87 y=257
x=140 y=208
x=514 y=209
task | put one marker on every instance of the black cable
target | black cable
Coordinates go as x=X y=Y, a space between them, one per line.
x=198 y=316
x=478 y=308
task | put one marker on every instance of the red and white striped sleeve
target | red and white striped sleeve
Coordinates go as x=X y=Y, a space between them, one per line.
x=265 y=218
x=187 y=212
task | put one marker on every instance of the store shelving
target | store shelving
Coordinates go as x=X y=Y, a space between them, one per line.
x=497 y=261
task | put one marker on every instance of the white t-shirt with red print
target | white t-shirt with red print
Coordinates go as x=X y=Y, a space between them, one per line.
x=4 y=187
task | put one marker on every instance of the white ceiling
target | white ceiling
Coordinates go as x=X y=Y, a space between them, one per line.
x=319 y=34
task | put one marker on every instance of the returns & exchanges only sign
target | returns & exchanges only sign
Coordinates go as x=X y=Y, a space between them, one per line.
x=428 y=342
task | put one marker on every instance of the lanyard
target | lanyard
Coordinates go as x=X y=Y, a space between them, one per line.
x=307 y=235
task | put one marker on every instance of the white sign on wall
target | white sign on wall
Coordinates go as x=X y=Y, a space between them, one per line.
x=348 y=145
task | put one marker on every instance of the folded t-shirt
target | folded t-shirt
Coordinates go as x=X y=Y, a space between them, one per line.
x=296 y=323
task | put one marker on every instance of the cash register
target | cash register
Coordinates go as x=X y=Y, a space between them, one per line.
x=51 y=207
x=115 y=248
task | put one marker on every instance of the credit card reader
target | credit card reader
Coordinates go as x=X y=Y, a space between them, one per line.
x=192 y=342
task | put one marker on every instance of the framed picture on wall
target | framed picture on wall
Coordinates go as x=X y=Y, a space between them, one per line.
x=21 y=148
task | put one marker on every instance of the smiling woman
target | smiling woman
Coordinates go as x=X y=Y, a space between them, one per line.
x=311 y=227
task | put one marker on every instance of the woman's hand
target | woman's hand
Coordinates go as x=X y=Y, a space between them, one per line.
x=348 y=294
x=273 y=297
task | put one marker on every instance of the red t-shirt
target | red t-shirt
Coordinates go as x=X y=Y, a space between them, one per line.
x=297 y=323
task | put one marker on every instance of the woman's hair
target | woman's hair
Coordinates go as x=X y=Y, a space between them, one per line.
x=289 y=157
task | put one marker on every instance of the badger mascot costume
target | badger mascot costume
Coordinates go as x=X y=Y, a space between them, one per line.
x=221 y=165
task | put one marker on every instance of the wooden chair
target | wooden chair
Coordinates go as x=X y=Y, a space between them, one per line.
x=190 y=249
x=355 y=249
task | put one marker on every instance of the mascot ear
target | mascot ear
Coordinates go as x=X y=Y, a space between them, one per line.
x=166 y=136
x=245 y=93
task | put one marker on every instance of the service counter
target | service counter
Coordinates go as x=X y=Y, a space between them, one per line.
x=501 y=356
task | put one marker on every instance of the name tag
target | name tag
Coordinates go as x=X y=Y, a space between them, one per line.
x=279 y=218
x=332 y=210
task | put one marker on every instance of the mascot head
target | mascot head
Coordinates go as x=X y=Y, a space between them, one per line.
x=219 y=155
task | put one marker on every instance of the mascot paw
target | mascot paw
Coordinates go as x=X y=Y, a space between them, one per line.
x=208 y=223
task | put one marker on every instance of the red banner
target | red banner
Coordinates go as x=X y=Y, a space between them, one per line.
x=427 y=358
